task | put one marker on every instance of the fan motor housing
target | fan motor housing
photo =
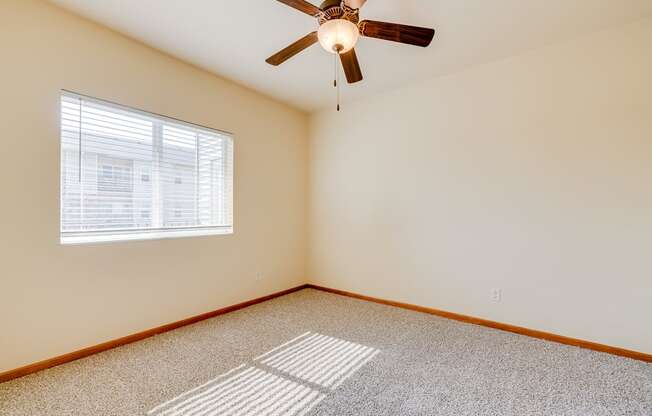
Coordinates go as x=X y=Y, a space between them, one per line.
x=335 y=9
x=327 y=4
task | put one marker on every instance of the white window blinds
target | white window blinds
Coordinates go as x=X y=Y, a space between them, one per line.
x=127 y=174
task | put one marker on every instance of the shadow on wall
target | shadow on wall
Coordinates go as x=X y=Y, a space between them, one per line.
x=290 y=379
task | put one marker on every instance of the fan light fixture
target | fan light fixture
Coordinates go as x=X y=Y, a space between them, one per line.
x=339 y=29
x=338 y=35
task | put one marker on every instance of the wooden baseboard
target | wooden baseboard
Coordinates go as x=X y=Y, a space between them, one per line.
x=62 y=359
x=497 y=325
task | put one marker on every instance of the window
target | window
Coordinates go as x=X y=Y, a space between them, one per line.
x=127 y=175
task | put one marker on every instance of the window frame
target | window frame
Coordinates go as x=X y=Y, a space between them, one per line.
x=137 y=234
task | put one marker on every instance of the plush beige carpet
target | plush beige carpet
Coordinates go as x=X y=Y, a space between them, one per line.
x=312 y=353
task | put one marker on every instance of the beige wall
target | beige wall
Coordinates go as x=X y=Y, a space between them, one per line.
x=532 y=175
x=56 y=299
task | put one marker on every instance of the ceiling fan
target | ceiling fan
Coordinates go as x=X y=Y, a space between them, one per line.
x=339 y=30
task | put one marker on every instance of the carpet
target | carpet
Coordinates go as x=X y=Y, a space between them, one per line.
x=314 y=353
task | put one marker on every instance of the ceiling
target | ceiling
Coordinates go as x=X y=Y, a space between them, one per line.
x=232 y=38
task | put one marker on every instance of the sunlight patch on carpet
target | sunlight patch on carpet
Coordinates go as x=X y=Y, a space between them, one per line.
x=290 y=379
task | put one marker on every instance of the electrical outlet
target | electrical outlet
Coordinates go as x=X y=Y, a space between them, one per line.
x=496 y=295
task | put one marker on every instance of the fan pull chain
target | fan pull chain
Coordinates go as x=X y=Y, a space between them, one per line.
x=338 y=89
x=336 y=77
x=335 y=70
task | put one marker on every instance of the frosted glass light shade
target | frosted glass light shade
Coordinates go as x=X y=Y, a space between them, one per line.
x=338 y=35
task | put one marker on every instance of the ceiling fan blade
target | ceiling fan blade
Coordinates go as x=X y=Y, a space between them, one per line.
x=355 y=4
x=412 y=35
x=302 y=6
x=351 y=66
x=287 y=53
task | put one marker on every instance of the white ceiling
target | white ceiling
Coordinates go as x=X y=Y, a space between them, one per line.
x=232 y=38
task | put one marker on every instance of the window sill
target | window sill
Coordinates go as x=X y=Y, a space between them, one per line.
x=113 y=237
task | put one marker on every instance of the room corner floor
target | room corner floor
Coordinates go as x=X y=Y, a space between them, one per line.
x=313 y=353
